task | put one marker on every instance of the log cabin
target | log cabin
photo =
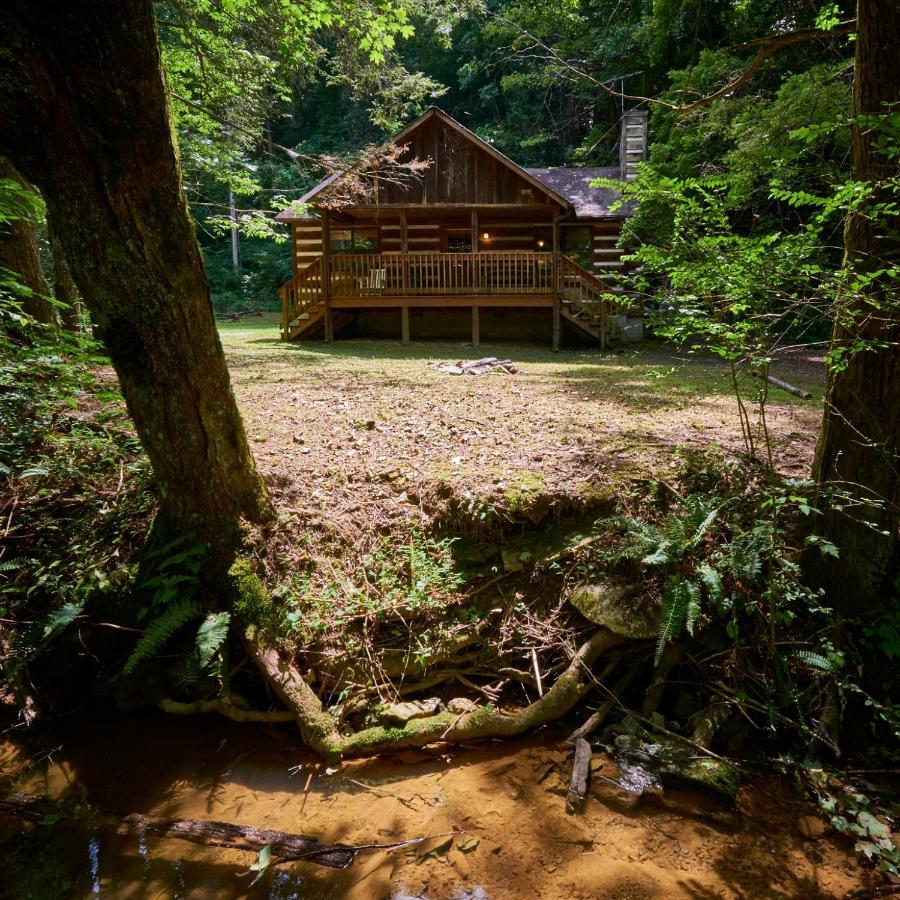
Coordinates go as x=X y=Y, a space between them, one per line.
x=469 y=243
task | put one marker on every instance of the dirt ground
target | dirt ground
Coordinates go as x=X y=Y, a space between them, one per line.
x=356 y=423
x=506 y=800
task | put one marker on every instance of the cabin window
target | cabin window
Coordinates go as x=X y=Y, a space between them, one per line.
x=576 y=243
x=459 y=241
x=354 y=240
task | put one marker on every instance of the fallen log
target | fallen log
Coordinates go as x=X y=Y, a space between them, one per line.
x=284 y=846
x=786 y=386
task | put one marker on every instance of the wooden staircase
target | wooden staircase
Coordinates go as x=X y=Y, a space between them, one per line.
x=303 y=306
x=585 y=302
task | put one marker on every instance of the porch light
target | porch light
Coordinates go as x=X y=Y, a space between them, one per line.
x=540 y=243
x=485 y=236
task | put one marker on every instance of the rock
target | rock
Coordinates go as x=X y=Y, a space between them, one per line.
x=459 y=862
x=412 y=709
x=511 y=561
x=460 y=705
x=811 y=826
x=677 y=764
x=603 y=602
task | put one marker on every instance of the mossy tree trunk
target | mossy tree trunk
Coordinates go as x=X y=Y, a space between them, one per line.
x=86 y=118
x=858 y=455
x=19 y=253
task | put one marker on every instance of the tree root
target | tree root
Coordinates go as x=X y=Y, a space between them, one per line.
x=320 y=732
x=231 y=706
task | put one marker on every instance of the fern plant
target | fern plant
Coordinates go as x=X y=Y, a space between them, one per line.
x=172 y=603
x=158 y=632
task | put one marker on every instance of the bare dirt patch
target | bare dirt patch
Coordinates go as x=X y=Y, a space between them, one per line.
x=357 y=417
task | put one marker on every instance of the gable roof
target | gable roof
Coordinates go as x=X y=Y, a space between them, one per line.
x=575 y=185
x=568 y=186
x=450 y=122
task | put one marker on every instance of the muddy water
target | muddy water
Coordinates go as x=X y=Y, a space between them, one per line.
x=518 y=841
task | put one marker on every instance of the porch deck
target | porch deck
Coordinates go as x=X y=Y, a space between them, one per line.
x=531 y=279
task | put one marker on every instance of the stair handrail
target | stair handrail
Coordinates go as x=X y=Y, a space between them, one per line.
x=301 y=293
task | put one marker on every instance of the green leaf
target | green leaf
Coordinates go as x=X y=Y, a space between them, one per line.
x=211 y=635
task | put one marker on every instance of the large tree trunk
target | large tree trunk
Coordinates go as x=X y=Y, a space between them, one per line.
x=19 y=253
x=858 y=456
x=64 y=288
x=86 y=118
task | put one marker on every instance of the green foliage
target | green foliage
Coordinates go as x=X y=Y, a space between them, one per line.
x=171 y=601
x=211 y=636
x=251 y=602
x=408 y=578
x=156 y=635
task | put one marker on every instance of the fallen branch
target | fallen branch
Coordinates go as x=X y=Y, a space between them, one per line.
x=786 y=386
x=284 y=846
x=581 y=777
x=320 y=733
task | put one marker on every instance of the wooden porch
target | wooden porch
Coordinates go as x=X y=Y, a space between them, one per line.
x=332 y=285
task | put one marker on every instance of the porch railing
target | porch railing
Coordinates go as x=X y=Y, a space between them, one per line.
x=436 y=274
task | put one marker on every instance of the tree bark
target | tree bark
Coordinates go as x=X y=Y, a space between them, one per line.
x=858 y=457
x=64 y=288
x=19 y=253
x=86 y=118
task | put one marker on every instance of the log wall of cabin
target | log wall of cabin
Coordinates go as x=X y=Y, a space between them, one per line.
x=307 y=240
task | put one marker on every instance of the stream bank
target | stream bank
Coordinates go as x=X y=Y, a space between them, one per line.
x=507 y=797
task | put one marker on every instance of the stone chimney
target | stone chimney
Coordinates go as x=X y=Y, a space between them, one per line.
x=632 y=142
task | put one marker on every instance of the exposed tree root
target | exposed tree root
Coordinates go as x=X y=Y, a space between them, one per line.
x=231 y=706
x=320 y=732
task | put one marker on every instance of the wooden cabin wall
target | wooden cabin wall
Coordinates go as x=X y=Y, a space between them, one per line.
x=460 y=173
x=306 y=237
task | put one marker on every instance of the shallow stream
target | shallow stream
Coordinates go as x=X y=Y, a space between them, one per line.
x=505 y=799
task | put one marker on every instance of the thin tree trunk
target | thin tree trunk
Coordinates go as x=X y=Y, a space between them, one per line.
x=19 y=253
x=86 y=118
x=64 y=288
x=858 y=455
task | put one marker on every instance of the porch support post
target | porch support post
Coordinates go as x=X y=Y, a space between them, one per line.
x=476 y=329
x=556 y=322
x=404 y=253
x=556 y=284
x=326 y=278
x=404 y=324
x=476 y=268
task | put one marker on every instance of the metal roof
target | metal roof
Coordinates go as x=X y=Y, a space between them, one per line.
x=575 y=185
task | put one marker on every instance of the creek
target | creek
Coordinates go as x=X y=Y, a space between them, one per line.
x=506 y=800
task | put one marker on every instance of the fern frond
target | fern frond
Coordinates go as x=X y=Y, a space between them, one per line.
x=659 y=557
x=11 y=564
x=704 y=526
x=712 y=581
x=672 y=613
x=692 y=606
x=60 y=619
x=158 y=632
x=211 y=635
x=815 y=660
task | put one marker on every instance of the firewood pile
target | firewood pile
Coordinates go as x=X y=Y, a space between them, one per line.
x=477 y=367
